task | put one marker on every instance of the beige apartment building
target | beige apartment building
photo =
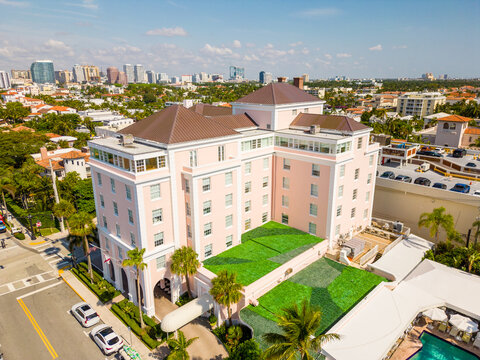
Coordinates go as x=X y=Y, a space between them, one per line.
x=420 y=104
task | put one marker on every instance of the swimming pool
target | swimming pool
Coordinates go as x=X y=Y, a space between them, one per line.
x=435 y=348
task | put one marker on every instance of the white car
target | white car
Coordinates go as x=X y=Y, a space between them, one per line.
x=106 y=339
x=85 y=314
x=476 y=192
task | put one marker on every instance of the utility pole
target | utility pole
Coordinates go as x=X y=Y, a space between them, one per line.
x=55 y=192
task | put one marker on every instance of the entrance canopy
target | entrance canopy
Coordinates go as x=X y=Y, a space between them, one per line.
x=188 y=312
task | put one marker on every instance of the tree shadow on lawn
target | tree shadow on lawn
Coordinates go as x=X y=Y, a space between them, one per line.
x=271 y=229
x=219 y=260
x=331 y=313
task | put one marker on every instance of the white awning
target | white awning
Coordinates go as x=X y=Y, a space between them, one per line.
x=188 y=312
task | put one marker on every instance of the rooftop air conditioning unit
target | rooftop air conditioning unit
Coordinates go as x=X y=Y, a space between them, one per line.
x=314 y=129
x=126 y=139
x=398 y=226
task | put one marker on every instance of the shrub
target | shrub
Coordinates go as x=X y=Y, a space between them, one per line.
x=19 y=236
x=212 y=319
x=151 y=343
x=183 y=299
x=249 y=350
x=100 y=287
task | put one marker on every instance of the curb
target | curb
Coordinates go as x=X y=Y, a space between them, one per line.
x=24 y=246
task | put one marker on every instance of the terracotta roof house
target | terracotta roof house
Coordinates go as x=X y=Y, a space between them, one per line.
x=450 y=130
x=63 y=161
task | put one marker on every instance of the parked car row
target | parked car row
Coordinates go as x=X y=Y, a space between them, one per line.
x=103 y=335
x=459 y=187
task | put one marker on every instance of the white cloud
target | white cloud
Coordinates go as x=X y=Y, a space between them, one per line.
x=291 y=51
x=237 y=44
x=319 y=12
x=251 y=57
x=14 y=3
x=269 y=46
x=55 y=46
x=344 y=55
x=400 y=46
x=86 y=4
x=222 y=51
x=250 y=45
x=376 y=48
x=328 y=56
x=170 y=32
x=298 y=43
x=305 y=51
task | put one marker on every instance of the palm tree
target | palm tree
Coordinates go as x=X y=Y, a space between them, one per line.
x=6 y=185
x=436 y=220
x=477 y=233
x=64 y=209
x=473 y=255
x=299 y=324
x=74 y=242
x=178 y=347
x=81 y=224
x=135 y=259
x=185 y=264
x=226 y=290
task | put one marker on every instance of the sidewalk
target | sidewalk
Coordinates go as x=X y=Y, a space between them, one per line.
x=105 y=314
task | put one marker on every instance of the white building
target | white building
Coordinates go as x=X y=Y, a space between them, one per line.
x=129 y=71
x=139 y=74
x=162 y=78
x=151 y=77
x=420 y=104
x=4 y=80
x=78 y=74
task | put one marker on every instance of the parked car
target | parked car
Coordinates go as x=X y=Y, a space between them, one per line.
x=388 y=175
x=3 y=228
x=422 y=181
x=108 y=341
x=471 y=164
x=404 y=178
x=476 y=192
x=84 y=313
x=429 y=153
x=461 y=188
x=440 y=185
x=459 y=153
x=15 y=230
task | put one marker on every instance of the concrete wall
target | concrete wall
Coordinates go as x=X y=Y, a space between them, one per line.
x=405 y=202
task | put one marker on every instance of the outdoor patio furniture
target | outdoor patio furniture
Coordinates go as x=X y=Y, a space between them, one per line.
x=454 y=332
x=435 y=314
x=442 y=327
x=356 y=245
x=476 y=342
x=463 y=323
x=466 y=337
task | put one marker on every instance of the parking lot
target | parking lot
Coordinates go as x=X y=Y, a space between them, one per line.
x=35 y=319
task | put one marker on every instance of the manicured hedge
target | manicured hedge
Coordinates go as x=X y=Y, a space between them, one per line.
x=19 y=236
x=105 y=295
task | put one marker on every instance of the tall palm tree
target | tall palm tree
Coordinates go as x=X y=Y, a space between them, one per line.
x=64 y=209
x=135 y=259
x=81 y=224
x=74 y=242
x=178 y=347
x=185 y=264
x=435 y=220
x=477 y=232
x=299 y=324
x=473 y=255
x=226 y=290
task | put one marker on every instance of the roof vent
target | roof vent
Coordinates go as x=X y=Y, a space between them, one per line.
x=314 y=129
x=126 y=139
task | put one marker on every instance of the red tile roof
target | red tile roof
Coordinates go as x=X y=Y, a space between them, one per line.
x=177 y=124
x=455 y=118
x=74 y=155
x=472 y=131
x=277 y=94
x=331 y=122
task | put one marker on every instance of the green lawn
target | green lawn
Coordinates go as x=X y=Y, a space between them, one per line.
x=333 y=287
x=262 y=250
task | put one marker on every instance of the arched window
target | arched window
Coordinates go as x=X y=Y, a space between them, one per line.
x=445 y=126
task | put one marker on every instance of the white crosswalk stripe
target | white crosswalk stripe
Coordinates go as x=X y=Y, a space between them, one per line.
x=27 y=282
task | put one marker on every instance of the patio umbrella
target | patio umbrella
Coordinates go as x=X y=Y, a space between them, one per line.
x=435 y=314
x=463 y=323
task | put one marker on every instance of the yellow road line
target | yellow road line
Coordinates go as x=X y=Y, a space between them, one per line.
x=37 y=328
x=37 y=243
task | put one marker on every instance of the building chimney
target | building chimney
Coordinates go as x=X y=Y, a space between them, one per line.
x=43 y=153
x=282 y=79
x=298 y=82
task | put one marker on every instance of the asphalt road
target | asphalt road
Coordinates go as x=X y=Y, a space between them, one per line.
x=35 y=322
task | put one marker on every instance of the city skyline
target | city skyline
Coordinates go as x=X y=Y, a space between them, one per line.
x=324 y=39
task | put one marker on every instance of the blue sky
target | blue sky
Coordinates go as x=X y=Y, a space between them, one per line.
x=322 y=38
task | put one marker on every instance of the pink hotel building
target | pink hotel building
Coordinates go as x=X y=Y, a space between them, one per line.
x=179 y=177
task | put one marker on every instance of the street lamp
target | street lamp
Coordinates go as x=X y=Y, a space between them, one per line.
x=33 y=237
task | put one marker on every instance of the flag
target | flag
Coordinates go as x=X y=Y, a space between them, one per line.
x=107 y=258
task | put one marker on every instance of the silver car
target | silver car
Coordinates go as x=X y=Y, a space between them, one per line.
x=108 y=341
x=85 y=314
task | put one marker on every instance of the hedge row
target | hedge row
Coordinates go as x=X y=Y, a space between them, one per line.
x=21 y=215
x=105 y=295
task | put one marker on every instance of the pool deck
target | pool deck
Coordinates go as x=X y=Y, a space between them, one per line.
x=411 y=343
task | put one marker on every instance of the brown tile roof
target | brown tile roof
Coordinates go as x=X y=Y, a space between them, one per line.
x=239 y=121
x=332 y=122
x=177 y=124
x=455 y=118
x=22 y=128
x=211 y=110
x=46 y=164
x=277 y=94
x=472 y=131
x=74 y=155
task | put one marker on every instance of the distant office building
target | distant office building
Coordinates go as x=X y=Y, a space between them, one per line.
x=196 y=78
x=43 y=72
x=21 y=74
x=63 y=76
x=4 y=80
x=420 y=104
x=78 y=75
x=265 y=77
x=151 y=77
x=186 y=79
x=139 y=73
x=217 y=77
x=92 y=73
x=428 y=76
x=176 y=79
x=237 y=73
x=129 y=72
x=122 y=78
x=162 y=78
x=112 y=75
x=306 y=78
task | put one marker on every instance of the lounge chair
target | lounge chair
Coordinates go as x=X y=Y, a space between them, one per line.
x=466 y=337
x=476 y=342
x=442 y=327
x=454 y=332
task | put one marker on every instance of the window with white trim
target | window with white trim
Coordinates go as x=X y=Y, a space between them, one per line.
x=370 y=160
x=342 y=170
x=294 y=112
x=228 y=200
x=314 y=190
x=248 y=168
x=264 y=217
x=105 y=223
x=207 y=207
x=339 y=210
x=340 y=191
x=265 y=182
x=154 y=191
x=353 y=212
x=248 y=205
x=161 y=262
x=130 y=216
x=117 y=230
x=357 y=174
x=286 y=183
x=221 y=153
x=337 y=230
x=157 y=216
x=193 y=158
x=313 y=209
x=189 y=231
x=207 y=229
x=120 y=252
x=248 y=224
x=99 y=179
x=248 y=187
x=158 y=239
x=359 y=142
x=115 y=208
x=112 y=185
x=208 y=250
x=355 y=194
x=265 y=164
x=312 y=228
x=265 y=199
x=187 y=186
x=228 y=221
x=206 y=184
x=187 y=209
x=315 y=170
x=286 y=164
x=128 y=192
x=369 y=178
x=132 y=239
x=102 y=201
x=285 y=201
x=285 y=219
x=365 y=213
x=367 y=196
x=229 y=240
x=228 y=178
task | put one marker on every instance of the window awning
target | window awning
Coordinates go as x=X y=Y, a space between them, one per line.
x=186 y=313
